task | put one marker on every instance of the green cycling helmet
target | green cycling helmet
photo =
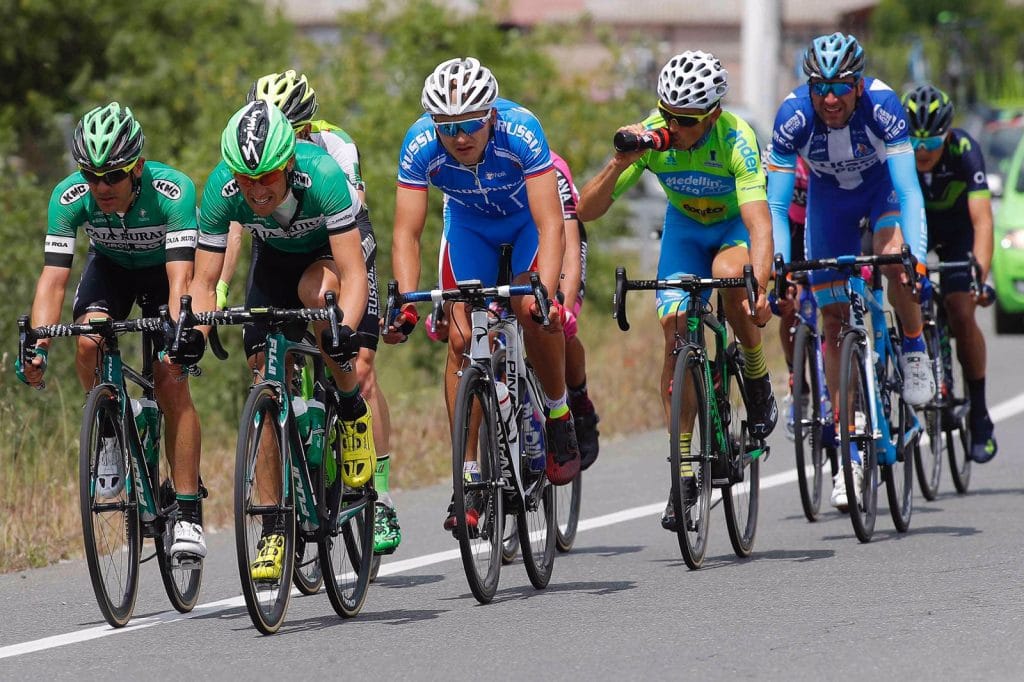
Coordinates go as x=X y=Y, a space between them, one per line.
x=259 y=139
x=107 y=138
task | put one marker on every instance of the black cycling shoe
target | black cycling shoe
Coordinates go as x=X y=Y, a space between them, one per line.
x=563 y=462
x=762 y=411
x=983 y=444
x=586 y=429
x=668 y=517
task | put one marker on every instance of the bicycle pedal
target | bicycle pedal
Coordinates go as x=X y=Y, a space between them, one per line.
x=186 y=561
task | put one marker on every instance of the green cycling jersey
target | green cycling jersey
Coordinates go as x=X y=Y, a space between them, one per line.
x=158 y=227
x=710 y=182
x=318 y=205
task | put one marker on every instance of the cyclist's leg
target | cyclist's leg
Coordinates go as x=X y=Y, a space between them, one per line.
x=103 y=290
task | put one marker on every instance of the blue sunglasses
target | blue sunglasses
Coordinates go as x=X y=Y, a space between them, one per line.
x=822 y=88
x=928 y=143
x=469 y=126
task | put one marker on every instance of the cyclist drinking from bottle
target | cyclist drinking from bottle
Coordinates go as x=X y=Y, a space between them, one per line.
x=852 y=133
x=951 y=172
x=140 y=217
x=295 y=201
x=716 y=220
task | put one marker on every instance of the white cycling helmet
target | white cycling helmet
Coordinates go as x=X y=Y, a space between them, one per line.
x=457 y=86
x=693 y=80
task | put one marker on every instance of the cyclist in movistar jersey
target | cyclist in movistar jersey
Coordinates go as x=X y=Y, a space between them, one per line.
x=716 y=220
x=295 y=97
x=951 y=172
x=294 y=199
x=852 y=133
x=140 y=217
x=491 y=159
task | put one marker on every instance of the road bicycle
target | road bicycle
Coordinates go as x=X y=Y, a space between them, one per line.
x=723 y=455
x=508 y=484
x=945 y=416
x=115 y=524
x=289 y=483
x=876 y=426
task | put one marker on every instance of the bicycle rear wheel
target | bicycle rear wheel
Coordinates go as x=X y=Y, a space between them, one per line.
x=741 y=497
x=691 y=486
x=262 y=507
x=510 y=541
x=567 y=512
x=181 y=578
x=475 y=432
x=807 y=421
x=110 y=524
x=856 y=436
x=307 y=576
x=955 y=422
x=928 y=456
x=899 y=476
x=346 y=543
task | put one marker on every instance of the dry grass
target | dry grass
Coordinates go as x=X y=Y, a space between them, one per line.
x=39 y=516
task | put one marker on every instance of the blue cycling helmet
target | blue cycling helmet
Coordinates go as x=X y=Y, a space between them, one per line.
x=834 y=56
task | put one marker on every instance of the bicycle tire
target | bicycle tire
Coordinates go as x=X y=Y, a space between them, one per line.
x=567 y=513
x=374 y=567
x=959 y=464
x=480 y=547
x=307 y=576
x=691 y=526
x=182 y=580
x=807 y=422
x=899 y=476
x=740 y=499
x=346 y=543
x=266 y=600
x=928 y=457
x=110 y=527
x=853 y=399
x=535 y=521
x=510 y=541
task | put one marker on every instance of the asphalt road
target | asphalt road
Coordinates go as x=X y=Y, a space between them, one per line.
x=942 y=601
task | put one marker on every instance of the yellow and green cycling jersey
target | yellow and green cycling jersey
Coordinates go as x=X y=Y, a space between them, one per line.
x=710 y=182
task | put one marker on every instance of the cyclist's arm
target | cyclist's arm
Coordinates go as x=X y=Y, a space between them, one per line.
x=347 y=249
x=599 y=193
x=980 y=208
x=231 y=254
x=410 y=217
x=781 y=180
x=208 y=266
x=903 y=170
x=758 y=220
x=572 y=265
x=49 y=298
x=179 y=274
x=546 y=208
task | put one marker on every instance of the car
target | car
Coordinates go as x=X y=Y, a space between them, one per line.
x=1008 y=255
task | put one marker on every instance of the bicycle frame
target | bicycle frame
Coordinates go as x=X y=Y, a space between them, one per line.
x=807 y=314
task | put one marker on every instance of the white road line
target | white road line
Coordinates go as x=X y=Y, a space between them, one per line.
x=999 y=412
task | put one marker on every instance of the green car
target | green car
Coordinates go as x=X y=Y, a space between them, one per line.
x=1008 y=256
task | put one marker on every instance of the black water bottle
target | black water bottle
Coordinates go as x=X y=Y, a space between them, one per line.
x=657 y=139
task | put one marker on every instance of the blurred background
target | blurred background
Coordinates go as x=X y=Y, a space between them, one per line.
x=585 y=67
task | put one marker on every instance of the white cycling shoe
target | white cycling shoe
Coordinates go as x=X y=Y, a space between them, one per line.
x=109 y=470
x=188 y=539
x=840 y=498
x=918 y=381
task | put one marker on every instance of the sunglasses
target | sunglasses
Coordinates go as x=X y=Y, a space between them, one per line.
x=684 y=120
x=266 y=179
x=822 y=88
x=469 y=126
x=928 y=143
x=111 y=177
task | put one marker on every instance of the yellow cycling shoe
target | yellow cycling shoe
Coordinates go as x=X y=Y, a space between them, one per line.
x=269 y=561
x=358 y=455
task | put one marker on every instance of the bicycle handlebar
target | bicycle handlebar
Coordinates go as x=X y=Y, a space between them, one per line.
x=468 y=291
x=690 y=283
x=847 y=263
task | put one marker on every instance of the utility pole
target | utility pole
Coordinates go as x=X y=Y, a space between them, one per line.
x=760 y=38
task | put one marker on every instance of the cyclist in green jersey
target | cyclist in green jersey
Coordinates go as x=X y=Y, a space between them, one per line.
x=717 y=219
x=293 y=95
x=140 y=217
x=294 y=199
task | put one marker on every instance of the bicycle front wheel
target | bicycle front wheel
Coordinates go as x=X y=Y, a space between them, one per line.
x=536 y=520
x=690 y=495
x=856 y=432
x=928 y=456
x=346 y=544
x=110 y=513
x=740 y=498
x=567 y=512
x=264 y=512
x=807 y=421
x=475 y=435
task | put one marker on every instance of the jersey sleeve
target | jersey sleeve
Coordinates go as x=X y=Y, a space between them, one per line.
x=888 y=115
x=566 y=194
x=528 y=142
x=343 y=149
x=215 y=216
x=182 y=220
x=903 y=170
x=745 y=165
x=629 y=177
x=413 y=160
x=791 y=128
x=65 y=213
x=335 y=199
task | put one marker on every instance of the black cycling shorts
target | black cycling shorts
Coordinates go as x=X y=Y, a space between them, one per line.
x=952 y=245
x=113 y=289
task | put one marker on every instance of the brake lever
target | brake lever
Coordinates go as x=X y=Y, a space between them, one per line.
x=541 y=297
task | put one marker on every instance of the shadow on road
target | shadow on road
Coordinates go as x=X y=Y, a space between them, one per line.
x=607 y=550
x=403 y=581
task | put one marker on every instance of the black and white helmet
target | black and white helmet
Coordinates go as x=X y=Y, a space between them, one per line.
x=693 y=80
x=457 y=86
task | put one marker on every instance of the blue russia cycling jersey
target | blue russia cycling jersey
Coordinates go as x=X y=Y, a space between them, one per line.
x=496 y=186
x=846 y=164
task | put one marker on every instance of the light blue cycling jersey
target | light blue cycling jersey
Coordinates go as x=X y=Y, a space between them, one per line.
x=493 y=188
x=850 y=168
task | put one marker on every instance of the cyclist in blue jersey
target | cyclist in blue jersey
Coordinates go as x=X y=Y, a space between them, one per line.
x=951 y=171
x=853 y=134
x=491 y=159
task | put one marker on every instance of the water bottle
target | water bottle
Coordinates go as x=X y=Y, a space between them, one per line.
x=657 y=139
x=505 y=408
x=140 y=419
x=301 y=412
x=315 y=413
x=533 y=435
